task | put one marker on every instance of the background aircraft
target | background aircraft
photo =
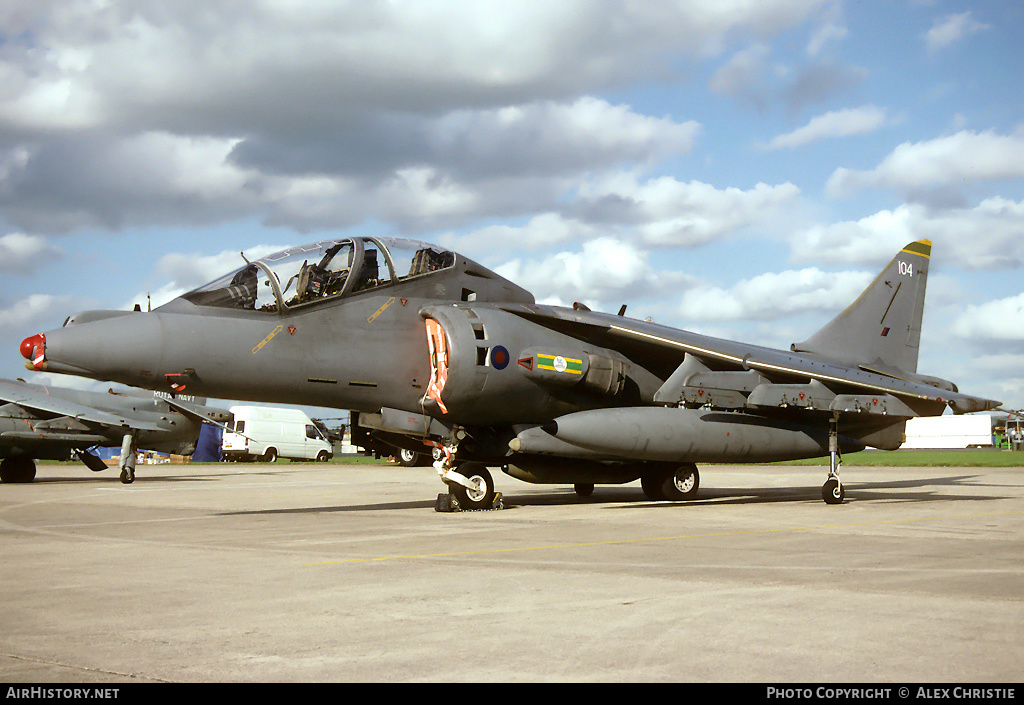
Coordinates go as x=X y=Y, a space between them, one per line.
x=429 y=349
x=39 y=422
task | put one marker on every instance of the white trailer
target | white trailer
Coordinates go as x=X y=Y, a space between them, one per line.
x=964 y=431
x=269 y=433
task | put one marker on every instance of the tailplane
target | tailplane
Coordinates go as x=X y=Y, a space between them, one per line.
x=882 y=328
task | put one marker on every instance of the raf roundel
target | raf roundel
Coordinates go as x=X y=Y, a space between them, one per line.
x=499 y=357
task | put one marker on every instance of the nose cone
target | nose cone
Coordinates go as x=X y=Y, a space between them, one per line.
x=115 y=347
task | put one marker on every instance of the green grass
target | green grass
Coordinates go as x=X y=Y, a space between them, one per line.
x=967 y=458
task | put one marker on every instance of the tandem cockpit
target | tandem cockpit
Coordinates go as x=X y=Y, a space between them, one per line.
x=330 y=269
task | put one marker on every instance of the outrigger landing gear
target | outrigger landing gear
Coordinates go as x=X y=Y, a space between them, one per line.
x=127 y=459
x=832 y=491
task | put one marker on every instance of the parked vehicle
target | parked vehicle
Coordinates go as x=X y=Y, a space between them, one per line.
x=268 y=433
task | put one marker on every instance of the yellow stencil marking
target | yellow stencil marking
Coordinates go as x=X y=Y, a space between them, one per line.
x=267 y=339
x=381 y=309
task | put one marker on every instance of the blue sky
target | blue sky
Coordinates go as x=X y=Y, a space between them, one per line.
x=736 y=167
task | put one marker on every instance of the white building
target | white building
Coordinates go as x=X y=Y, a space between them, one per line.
x=949 y=431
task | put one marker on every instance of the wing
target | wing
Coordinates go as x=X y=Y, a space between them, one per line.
x=218 y=417
x=61 y=417
x=706 y=370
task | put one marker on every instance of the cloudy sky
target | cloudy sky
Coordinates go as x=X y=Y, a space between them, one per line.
x=741 y=168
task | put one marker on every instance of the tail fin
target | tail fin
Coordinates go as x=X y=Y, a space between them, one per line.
x=882 y=328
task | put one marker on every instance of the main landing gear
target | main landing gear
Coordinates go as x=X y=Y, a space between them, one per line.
x=832 y=491
x=676 y=484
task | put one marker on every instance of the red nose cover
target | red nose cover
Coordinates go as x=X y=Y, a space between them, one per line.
x=33 y=349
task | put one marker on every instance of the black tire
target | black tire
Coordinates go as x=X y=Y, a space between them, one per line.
x=323 y=456
x=19 y=469
x=652 y=484
x=409 y=458
x=682 y=483
x=480 y=498
x=269 y=456
x=833 y=491
x=584 y=489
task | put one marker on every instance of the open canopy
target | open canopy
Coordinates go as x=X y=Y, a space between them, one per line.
x=329 y=269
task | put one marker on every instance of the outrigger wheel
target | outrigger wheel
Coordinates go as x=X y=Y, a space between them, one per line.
x=19 y=468
x=832 y=491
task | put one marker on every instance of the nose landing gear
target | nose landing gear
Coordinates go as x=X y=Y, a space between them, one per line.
x=470 y=485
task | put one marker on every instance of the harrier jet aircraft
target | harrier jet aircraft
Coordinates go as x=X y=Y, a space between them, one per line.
x=431 y=350
x=52 y=423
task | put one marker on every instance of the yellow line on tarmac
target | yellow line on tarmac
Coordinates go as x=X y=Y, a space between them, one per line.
x=623 y=542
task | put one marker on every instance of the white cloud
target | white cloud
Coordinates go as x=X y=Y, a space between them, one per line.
x=21 y=253
x=548 y=137
x=604 y=271
x=179 y=273
x=658 y=212
x=168 y=65
x=999 y=320
x=839 y=123
x=449 y=169
x=664 y=211
x=987 y=236
x=774 y=295
x=830 y=30
x=966 y=156
x=541 y=231
x=37 y=310
x=950 y=29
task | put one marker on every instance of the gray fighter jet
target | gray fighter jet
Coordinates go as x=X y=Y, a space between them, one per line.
x=429 y=349
x=53 y=423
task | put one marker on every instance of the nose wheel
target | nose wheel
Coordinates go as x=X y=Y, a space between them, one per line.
x=470 y=485
x=477 y=492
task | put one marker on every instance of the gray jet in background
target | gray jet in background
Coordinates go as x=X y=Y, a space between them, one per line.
x=54 y=423
x=431 y=350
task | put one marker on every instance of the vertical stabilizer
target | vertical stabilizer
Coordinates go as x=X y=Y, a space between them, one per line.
x=882 y=328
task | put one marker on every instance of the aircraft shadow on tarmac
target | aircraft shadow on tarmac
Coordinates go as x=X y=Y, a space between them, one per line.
x=924 y=489
x=103 y=478
x=918 y=489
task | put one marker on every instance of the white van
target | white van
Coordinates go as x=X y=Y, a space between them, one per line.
x=267 y=433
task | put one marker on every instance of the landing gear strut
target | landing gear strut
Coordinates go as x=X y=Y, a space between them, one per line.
x=832 y=491
x=127 y=459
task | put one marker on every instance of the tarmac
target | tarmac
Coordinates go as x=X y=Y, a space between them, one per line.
x=346 y=573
